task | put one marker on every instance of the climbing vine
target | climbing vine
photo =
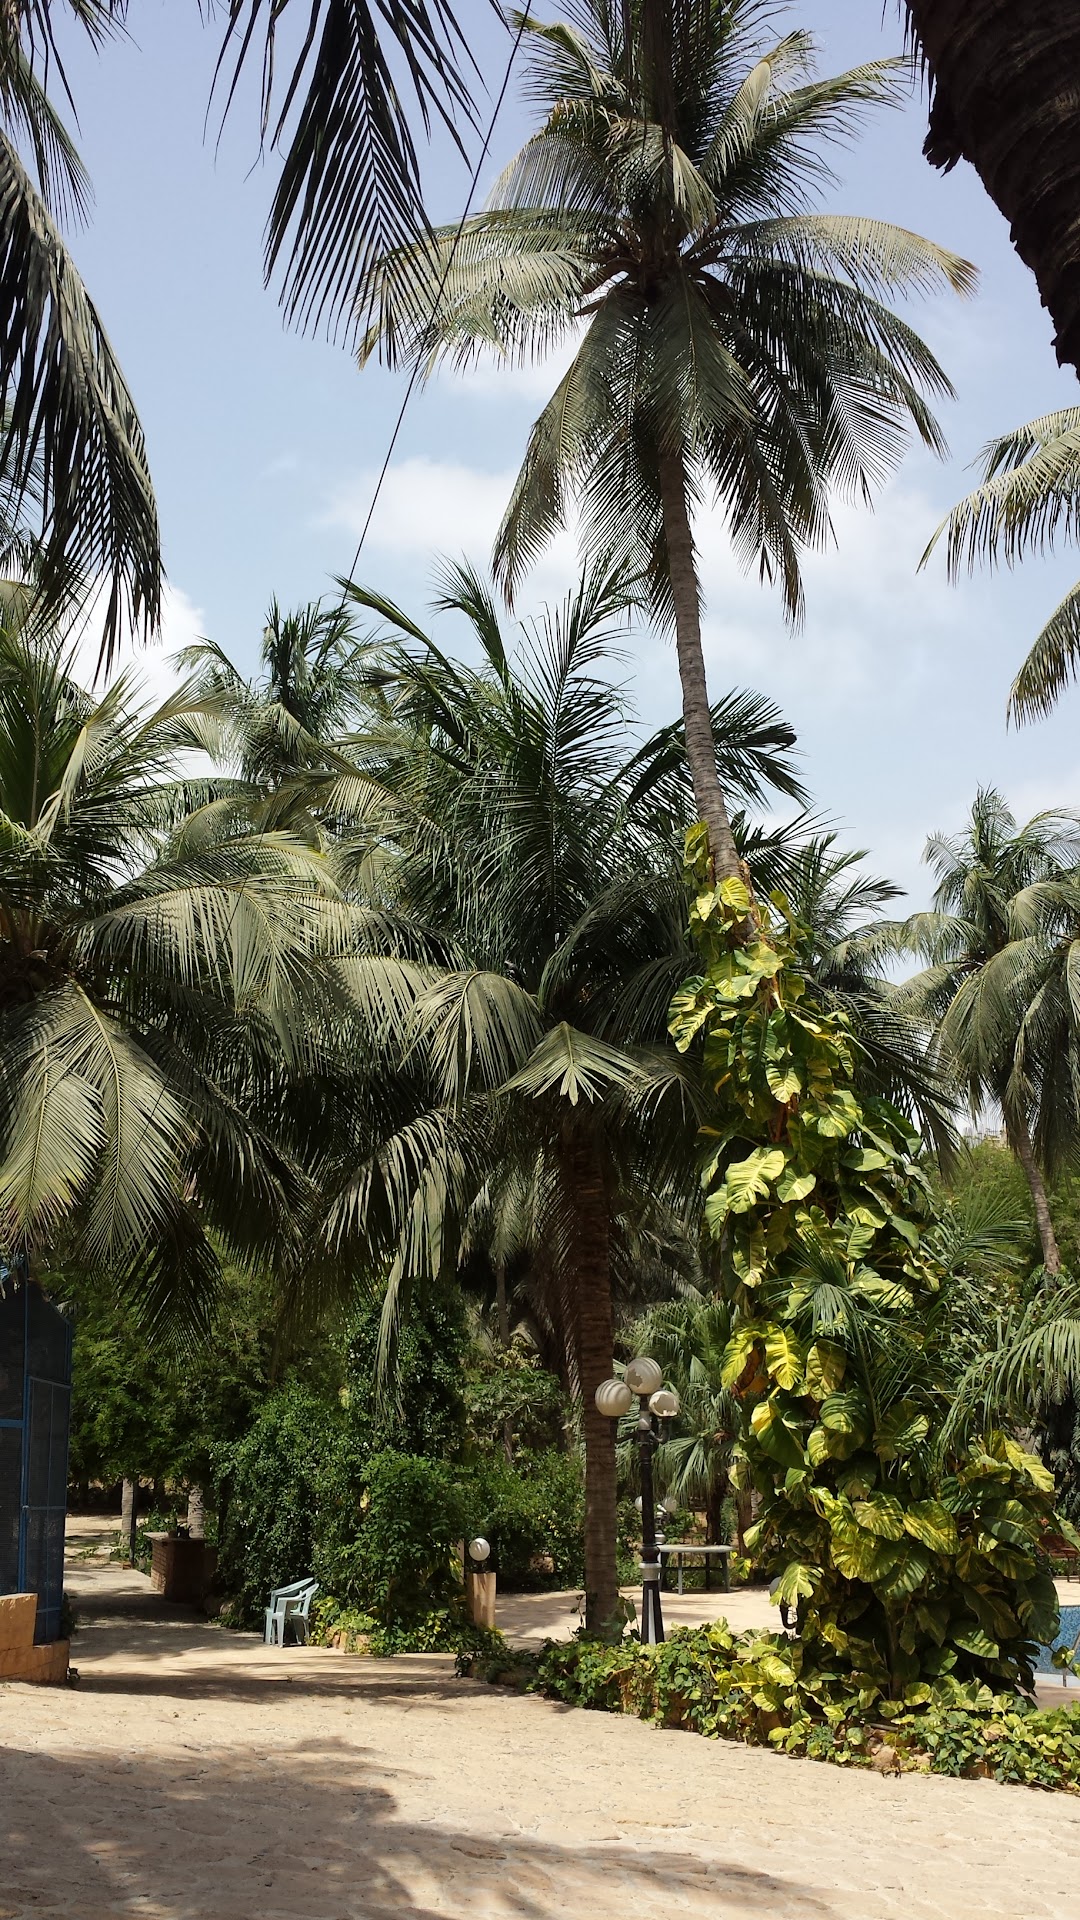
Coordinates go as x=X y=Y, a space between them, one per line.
x=908 y=1544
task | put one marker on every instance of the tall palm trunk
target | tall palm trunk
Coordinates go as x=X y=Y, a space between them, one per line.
x=594 y=1342
x=1020 y=1141
x=1006 y=82
x=697 y=716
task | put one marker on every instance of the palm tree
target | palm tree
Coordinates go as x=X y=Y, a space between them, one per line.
x=553 y=1108
x=1029 y=496
x=844 y=949
x=1005 y=83
x=996 y=989
x=311 y=690
x=156 y=983
x=72 y=452
x=736 y=345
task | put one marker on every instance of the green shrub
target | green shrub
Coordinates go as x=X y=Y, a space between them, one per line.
x=403 y=1561
x=441 y=1630
x=419 y=1408
x=758 y=1688
x=276 y=1476
x=533 y=1513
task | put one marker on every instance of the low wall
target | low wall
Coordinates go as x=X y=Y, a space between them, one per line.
x=19 y=1658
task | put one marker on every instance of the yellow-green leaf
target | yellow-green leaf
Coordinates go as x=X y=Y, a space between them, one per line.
x=882 y=1514
x=783 y=1357
x=933 y=1524
x=825 y=1368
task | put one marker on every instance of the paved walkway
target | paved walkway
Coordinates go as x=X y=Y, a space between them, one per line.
x=196 y=1775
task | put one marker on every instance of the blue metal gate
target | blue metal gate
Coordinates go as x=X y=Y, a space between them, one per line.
x=35 y=1411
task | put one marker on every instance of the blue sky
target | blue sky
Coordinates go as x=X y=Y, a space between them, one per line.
x=264 y=445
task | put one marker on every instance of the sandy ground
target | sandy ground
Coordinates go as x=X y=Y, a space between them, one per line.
x=196 y=1775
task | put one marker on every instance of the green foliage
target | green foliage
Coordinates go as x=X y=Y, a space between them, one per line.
x=278 y=1474
x=765 y=1689
x=909 y=1549
x=411 y=1513
x=416 y=1404
x=512 y=1402
x=139 y=1410
x=439 y=1630
x=533 y=1513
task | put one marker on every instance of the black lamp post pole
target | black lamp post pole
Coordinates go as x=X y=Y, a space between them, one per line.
x=652 y=1619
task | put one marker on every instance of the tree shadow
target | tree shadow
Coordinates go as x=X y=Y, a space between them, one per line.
x=310 y=1832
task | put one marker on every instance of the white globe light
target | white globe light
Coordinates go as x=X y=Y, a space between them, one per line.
x=644 y=1376
x=479 y=1549
x=613 y=1399
x=665 y=1404
x=669 y=1503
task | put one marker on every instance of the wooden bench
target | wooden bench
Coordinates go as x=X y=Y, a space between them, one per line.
x=292 y=1603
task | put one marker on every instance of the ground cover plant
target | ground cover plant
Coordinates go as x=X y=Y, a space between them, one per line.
x=763 y=1689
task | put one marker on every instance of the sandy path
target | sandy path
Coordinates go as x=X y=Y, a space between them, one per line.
x=194 y=1775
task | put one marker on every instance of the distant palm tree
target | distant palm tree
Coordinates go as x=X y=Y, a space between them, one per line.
x=155 y=979
x=689 y=1339
x=998 y=987
x=1029 y=497
x=736 y=346
x=311 y=689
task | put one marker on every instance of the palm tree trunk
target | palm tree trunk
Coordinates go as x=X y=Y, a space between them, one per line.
x=1006 y=81
x=697 y=715
x=1020 y=1141
x=594 y=1342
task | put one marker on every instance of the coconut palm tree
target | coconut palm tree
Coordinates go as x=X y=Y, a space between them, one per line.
x=156 y=987
x=1028 y=498
x=1005 y=84
x=511 y=782
x=996 y=988
x=311 y=689
x=731 y=344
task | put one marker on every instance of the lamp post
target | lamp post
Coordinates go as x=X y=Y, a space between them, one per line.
x=614 y=1398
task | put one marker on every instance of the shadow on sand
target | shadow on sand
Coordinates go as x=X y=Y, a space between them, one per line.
x=310 y=1832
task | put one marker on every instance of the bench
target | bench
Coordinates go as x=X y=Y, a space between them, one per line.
x=679 y=1550
x=292 y=1603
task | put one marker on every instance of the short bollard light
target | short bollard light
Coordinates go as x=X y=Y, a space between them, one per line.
x=480 y=1582
x=656 y=1402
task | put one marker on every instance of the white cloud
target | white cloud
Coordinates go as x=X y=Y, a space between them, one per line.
x=151 y=664
x=429 y=508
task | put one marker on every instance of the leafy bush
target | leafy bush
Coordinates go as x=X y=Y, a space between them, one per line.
x=402 y=1564
x=534 y=1516
x=512 y=1402
x=276 y=1475
x=762 y=1690
x=442 y=1630
x=418 y=1407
